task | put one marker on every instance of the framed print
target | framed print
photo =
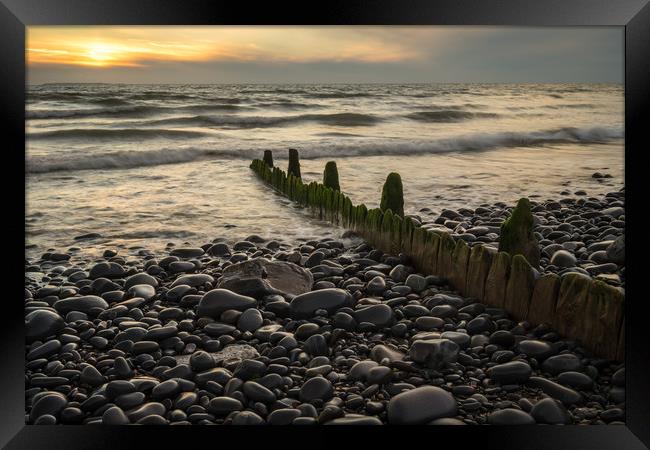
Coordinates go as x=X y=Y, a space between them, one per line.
x=414 y=216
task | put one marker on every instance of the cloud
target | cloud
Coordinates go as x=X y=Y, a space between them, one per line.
x=324 y=54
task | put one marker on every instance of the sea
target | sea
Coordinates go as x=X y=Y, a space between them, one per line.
x=143 y=166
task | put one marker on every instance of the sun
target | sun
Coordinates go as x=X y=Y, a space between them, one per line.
x=100 y=54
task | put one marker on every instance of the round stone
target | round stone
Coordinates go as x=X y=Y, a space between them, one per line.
x=550 y=411
x=316 y=388
x=563 y=258
x=250 y=320
x=42 y=323
x=379 y=315
x=222 y=406
x=565 y=362
x=510 y=416
x=421 y=405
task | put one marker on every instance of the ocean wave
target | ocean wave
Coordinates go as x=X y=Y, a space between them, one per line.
x=342 y=94
x=113 y=133
x=127 y=111
x=117 y=160
x=448 y=115
x=339 y=119
x=476 y=142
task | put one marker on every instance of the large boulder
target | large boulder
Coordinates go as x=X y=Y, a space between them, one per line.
x=259 y=277
x=517 y=237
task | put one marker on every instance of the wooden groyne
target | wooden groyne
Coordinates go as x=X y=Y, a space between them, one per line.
x=575 y=305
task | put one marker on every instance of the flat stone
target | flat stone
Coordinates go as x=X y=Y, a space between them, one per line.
x=84 y=304
x=187 y=252
x=513 y=372
x=355 y=419
x=562 y=393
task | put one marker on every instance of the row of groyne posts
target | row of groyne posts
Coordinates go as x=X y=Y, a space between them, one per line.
x=575 y=305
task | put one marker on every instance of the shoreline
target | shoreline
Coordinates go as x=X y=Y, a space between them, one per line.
x=144 y=347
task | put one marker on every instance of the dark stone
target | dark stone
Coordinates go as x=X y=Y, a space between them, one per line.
x=510 y=416
x=216 y=301
x=42 y=323
x=513 y=372
x=550 y=411
x=316 y=388
x=421 y=405
x=305 y=305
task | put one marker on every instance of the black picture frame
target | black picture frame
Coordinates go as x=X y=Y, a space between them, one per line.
x=633 y=15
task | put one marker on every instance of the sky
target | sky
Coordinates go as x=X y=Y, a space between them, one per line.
x=324 y=54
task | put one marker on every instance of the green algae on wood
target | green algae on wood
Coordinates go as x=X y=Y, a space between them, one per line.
x=294 y=163
x=331 y=176
x=392 y=195
x=517 y=237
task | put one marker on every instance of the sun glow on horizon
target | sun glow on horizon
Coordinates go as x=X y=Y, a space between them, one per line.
x=102 y=46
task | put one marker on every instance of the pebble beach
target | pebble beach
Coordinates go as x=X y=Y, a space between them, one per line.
x=315 y=331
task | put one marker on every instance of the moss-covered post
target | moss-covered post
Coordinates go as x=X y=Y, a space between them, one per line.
x=392 y=195
x=517 y=237
x=331 y=176
x=268 y=158
x=294 y=163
